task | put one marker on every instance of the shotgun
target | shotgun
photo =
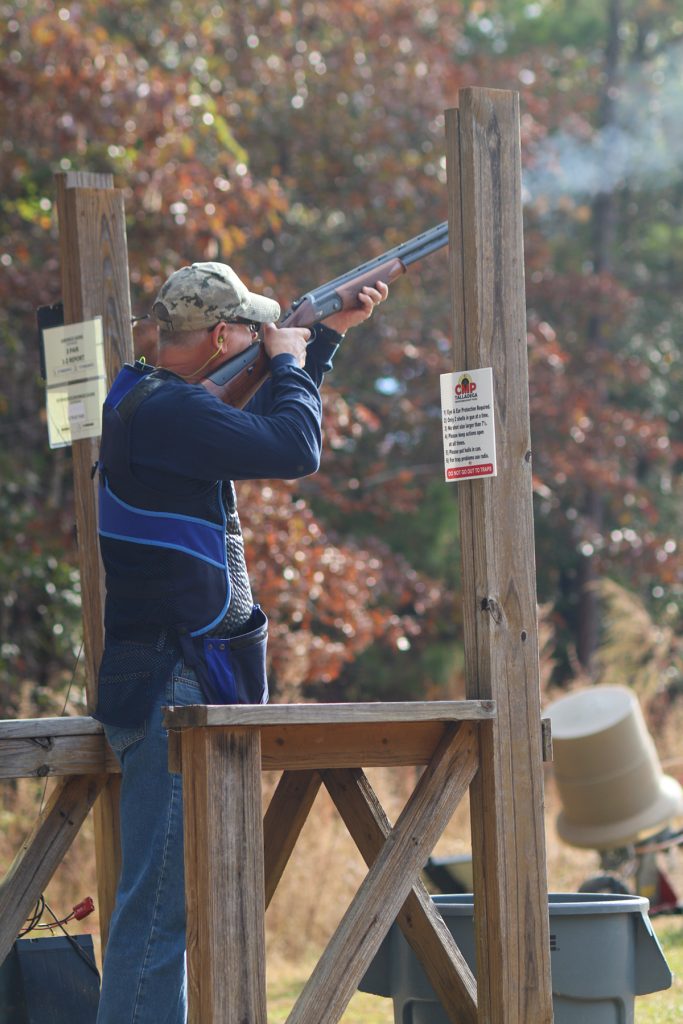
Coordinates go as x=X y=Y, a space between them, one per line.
x=237 y=380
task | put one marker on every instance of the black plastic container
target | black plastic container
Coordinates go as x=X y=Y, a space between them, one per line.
x=48 y=981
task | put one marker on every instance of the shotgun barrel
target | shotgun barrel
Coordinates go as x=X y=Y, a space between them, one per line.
x=237 y=380
x=329 y=298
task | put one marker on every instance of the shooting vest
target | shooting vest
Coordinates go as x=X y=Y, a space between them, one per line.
x=164 y=552
x=166 y=559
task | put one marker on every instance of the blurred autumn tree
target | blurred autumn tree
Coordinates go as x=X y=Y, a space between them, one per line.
x=604 y=177
x=298 y=139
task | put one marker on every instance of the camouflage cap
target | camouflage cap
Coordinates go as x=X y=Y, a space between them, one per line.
x=206 y=293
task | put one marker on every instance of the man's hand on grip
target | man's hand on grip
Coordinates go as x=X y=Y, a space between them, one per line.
x=368 y=297
x=292 y=340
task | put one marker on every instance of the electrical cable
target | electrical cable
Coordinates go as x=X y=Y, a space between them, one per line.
x=37 y=914
x=34 y=924
x=62 y=714
x=81 y=952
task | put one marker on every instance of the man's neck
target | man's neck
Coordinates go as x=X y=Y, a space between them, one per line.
x=190 y=364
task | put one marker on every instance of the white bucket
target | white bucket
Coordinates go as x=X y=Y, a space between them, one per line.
x=607 y=770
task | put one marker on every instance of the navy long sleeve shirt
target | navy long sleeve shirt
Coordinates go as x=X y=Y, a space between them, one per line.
x=182 y=434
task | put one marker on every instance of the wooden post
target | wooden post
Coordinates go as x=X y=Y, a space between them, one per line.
x=224 y=876
x=94 y=260
x=498 y=565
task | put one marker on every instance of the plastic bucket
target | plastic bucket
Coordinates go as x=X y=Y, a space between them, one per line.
x=607 y=771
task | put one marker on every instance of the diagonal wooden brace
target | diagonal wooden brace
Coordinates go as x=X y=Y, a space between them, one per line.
x=43 y=852
x=390 y=879
x=283 y=821
x=419 y=920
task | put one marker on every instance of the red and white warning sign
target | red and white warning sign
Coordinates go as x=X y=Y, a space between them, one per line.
x=469 y=436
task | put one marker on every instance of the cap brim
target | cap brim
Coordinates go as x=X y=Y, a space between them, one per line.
x=259 y=308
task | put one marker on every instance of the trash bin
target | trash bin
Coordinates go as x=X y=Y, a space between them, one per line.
x=603 y=950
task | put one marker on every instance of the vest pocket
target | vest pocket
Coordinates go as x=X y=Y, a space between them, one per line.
x=232 y=670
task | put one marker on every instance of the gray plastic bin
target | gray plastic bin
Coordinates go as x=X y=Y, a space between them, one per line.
x=603 y=954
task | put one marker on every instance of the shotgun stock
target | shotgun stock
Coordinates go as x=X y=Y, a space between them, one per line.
x=236 y=381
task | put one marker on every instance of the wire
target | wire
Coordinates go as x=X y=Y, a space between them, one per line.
x=37 y=914
x=81 y=952
x=71 y=681
x=62 y=715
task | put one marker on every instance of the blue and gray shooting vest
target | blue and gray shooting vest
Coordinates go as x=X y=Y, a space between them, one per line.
x=166 y=558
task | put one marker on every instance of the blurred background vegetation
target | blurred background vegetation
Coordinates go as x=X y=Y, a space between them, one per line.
x=296 y=139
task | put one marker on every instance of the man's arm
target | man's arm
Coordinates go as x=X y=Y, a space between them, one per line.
x=238 y=380
x=181 y=432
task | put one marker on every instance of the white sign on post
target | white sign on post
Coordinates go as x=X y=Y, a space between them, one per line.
x=469 y=437
x=76 y=381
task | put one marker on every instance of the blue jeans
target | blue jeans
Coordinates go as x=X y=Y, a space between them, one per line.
x=144 y=977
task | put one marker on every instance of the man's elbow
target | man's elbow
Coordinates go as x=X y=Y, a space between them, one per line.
x=309 y=461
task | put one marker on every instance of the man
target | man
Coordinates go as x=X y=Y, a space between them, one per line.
x=181 y=626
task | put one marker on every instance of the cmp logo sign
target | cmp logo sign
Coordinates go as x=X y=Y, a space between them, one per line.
x=469 y=436
x=465 y=388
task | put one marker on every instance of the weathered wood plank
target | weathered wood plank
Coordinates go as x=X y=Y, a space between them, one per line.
x=107 y=832
x=94 y=265
x=389 y=880
x=43 y=851
x=45 y=750
x=498 y=565
x=68 y=725
x=56 y=755
x=418 y=919
x=224 y=875
x=88 y=179
x=547 y=740
x=287 y=812
x=306 y=714
x=384 y=744
x=175 y=751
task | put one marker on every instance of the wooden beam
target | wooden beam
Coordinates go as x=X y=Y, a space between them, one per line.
x=498 y=565
x=45 y=756
x=94 y=262
x=305 y=747
x=262 y=715
x=284 y=819
x=389 y=880
x=33 y=728
x=224 y=876
x=43 y=851
x=418 y=919
x=385 y=745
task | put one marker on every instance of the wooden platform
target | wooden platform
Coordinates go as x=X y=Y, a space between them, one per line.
x=234 y=858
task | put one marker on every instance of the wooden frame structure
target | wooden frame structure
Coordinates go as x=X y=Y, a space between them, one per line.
x=492 y=742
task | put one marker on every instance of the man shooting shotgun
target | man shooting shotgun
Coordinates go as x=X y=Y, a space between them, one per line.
x=181 y=623
x=240 y=377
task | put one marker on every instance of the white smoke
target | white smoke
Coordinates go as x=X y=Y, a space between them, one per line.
x=641 y=148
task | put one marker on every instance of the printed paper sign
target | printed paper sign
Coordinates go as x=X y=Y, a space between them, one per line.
x=75 y=412
x=76 y=381
x=74 y=352
x=469 y=438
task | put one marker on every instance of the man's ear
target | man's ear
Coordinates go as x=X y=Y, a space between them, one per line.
x=219 y=339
